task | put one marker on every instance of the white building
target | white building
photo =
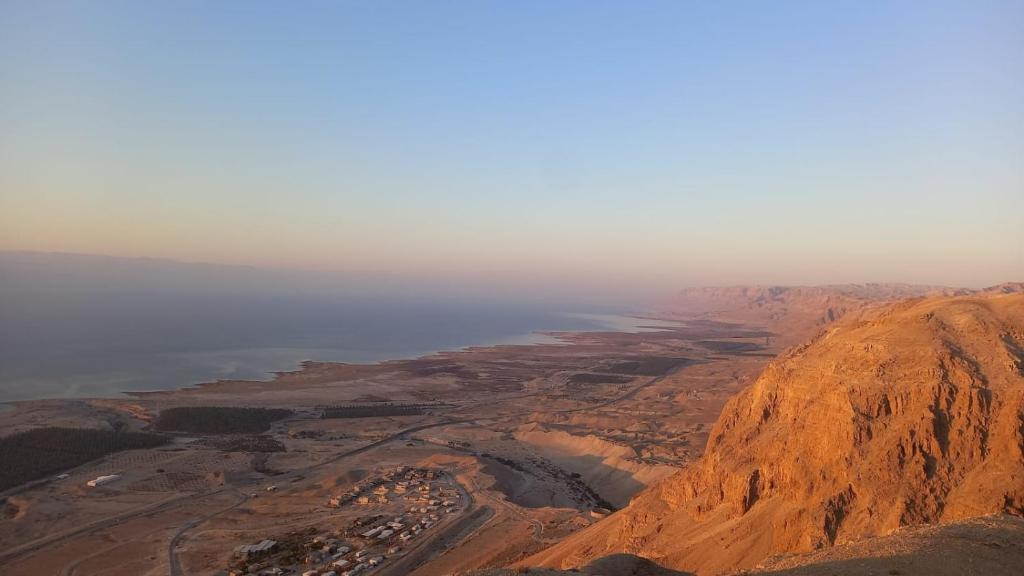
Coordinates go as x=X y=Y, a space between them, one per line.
x=101 y=480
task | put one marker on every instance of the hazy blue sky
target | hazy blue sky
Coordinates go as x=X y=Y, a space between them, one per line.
x=654 y=143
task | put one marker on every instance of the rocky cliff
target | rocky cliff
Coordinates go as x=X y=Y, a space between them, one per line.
x=896 y=416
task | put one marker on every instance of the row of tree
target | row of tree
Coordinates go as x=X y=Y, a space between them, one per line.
x=374 y=410
x=218 y=419
x=37 y=453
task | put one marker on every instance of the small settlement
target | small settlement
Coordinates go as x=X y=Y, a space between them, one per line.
x=400 y=506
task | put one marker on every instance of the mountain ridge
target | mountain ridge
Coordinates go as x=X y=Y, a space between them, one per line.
x=900 y=415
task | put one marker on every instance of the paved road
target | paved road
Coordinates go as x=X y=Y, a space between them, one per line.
x=106 y=523
x=425 y=547
x=172 y=558
x=36 y=545
x=172 y=555
x=70 y=569
x=538 y=527
x=629 y=394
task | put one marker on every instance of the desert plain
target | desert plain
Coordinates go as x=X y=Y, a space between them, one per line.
x=542 y=440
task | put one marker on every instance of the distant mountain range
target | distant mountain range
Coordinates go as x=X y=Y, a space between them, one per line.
x=798 y=312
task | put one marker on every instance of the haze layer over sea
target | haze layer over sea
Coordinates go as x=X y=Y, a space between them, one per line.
x=64 y=333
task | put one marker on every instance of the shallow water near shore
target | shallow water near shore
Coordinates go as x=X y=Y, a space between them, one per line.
x=98 y=345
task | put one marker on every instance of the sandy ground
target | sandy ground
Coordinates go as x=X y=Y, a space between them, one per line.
x=542 y=436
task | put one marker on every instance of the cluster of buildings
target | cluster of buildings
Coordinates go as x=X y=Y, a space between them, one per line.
x=324 y=557
x=369 y=542
x=425 y=489
x=387 y=487
x=252 y=550
x=331 y=557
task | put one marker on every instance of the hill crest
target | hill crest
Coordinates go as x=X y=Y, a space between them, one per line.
x=908 y=414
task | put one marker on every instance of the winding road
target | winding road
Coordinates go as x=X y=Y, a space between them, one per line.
x=172 y=555
x=175 y=564
x=179 y=536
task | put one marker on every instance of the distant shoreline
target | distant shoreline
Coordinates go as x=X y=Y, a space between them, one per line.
x=599 y=323
x=535 y=338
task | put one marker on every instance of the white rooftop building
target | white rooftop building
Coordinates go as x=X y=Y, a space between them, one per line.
x=101 y=480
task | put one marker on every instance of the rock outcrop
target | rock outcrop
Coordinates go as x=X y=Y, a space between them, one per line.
x=903 y=415
x=983 y=546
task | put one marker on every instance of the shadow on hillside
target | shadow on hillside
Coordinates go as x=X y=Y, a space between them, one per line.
x=995 y=562
x=989 y=545
x=628 y=565
x=615 y=485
